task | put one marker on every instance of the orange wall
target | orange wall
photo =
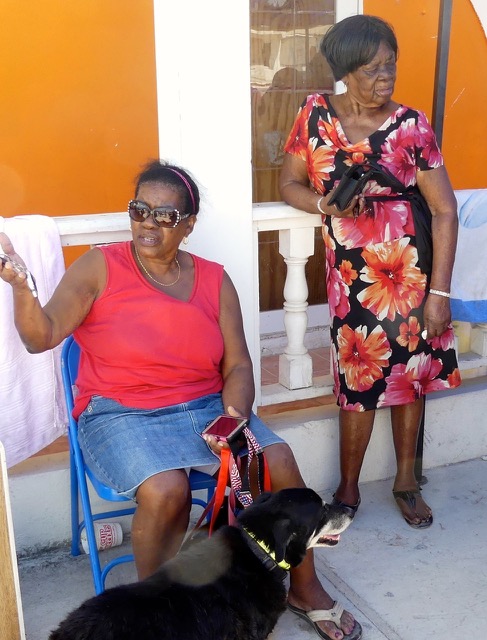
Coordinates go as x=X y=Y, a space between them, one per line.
x=78 y=113
x=78 y=110
x=465 y=123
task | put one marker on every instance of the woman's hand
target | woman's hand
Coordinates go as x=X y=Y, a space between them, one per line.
x=213 y=442
x=215 y=445
x=437 y=315
x=8 y=259
x=355 y=208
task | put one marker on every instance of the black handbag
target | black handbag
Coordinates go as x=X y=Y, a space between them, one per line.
x=351 y=183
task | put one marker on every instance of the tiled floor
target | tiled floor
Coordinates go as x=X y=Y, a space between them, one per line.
x=270 y=365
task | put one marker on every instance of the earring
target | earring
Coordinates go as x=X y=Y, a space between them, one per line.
x=185 y=240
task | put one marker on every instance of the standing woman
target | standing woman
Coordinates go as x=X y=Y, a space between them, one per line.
x=389 y=252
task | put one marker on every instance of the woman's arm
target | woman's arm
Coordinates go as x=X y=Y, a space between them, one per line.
x=237 y=371
x=42 y=328
x=295 y=190
x=436 y=188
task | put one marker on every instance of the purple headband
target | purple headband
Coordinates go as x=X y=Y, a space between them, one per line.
x=187 y=185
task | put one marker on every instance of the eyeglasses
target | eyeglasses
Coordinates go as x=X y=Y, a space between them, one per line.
x=163 y=216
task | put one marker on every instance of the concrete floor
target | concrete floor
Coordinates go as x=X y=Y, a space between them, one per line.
x=400 y=583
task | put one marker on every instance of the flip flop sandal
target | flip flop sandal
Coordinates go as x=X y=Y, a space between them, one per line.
x=320 y=615
x=351 y=509
x=409 y=497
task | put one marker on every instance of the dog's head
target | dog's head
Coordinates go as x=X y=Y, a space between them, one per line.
x=291 y=521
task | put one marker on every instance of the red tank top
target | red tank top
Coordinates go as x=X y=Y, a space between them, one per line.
x=144 y=348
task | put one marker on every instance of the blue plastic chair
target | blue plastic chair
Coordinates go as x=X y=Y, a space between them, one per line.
x=79 y=473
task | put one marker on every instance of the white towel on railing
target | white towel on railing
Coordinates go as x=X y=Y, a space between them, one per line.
x=469 y=278
x=32 y=409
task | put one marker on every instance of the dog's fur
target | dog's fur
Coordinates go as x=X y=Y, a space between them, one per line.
x=217 y=588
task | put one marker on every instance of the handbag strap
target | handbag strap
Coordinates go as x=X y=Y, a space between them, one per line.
x=221 y=486
x=420 y=211
x=240 y=487
x=371 y=163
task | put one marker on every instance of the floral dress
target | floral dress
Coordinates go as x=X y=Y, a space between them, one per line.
x=376 y=282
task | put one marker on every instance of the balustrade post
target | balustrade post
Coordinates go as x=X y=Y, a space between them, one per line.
x=295 y=364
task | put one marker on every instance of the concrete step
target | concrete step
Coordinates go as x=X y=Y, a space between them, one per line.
x=454 y=432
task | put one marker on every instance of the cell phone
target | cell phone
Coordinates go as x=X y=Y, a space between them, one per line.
x=226 y=428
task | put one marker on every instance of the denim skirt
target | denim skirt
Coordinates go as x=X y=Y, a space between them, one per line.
x=123 y=446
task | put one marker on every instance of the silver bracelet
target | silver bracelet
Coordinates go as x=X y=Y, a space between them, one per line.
x=437 y=292
x=318 y=204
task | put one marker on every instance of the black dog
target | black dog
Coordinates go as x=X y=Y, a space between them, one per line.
x=227 y=587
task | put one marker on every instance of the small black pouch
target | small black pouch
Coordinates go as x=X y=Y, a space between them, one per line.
x=351 y=183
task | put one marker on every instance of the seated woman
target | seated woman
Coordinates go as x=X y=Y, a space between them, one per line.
x=163 y=352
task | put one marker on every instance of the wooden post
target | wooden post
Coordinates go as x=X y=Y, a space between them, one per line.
x=442 y=50
x=418 y=465
x=11 y=616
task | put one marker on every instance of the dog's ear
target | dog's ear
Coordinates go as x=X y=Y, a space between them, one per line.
x=283 y=533
x=289 y=544
x=296 y=551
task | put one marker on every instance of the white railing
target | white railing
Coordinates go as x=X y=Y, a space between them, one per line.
x=93 y=228
x=296 y=244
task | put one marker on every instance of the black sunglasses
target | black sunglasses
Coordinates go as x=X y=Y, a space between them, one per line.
x=168 y=217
